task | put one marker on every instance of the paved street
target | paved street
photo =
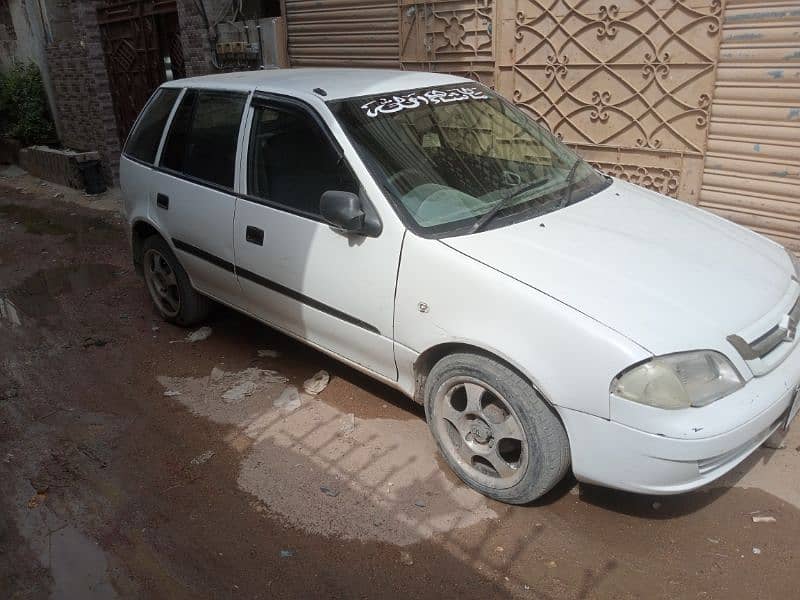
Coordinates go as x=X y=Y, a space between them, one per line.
x=137 y=460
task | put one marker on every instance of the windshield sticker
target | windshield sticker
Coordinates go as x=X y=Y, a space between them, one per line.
x=392 y=104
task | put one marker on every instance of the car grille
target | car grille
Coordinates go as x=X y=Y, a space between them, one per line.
x=783 y=333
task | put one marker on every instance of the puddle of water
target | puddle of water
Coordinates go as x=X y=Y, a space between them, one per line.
x=41 y=222
x=35 y=221
x=36 y=296
x=78 y=566
x=330 y=473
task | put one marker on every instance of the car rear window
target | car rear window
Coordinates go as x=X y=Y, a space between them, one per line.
x=203 y=137
x=143 y=141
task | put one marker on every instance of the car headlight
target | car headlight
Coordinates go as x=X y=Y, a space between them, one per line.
x=679 y=380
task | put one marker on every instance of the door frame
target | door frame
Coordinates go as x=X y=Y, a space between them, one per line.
x=134 y=40
x=282 y=102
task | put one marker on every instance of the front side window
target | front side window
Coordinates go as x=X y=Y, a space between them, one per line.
x=144 y=139
x=456 y=157
x=292 y=162
x=203 y=136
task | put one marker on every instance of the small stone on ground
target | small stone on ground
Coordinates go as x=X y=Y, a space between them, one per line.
x=204 y=457
x=764 y=519
x=329 y=491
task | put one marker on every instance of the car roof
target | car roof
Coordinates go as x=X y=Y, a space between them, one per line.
x=337 y=83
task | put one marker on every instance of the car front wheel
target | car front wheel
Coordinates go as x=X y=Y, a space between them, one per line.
x=495 y=431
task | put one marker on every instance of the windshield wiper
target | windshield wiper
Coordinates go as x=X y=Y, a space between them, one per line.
x=502 y=204
x=566 y=197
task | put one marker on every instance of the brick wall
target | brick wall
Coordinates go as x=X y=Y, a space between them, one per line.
x=107 y=141
x=81 y=86
x=194 y=37
x=73 y=89
x=59 y=166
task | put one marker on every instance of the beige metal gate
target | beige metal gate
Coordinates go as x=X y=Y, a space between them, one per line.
x=450 y=36
x=342 y=33
x=752 y=167
x=628 y=83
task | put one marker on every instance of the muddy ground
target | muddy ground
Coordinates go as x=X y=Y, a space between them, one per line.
x=137 y=464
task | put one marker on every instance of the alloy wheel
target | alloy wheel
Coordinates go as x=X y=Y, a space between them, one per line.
x=480 y=431
x=162 y=283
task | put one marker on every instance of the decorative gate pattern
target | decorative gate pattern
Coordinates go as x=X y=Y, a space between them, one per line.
x=627 y=82
x=142 y=47
x=451 y=36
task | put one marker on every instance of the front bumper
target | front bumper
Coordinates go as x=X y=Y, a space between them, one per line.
x=677 y=457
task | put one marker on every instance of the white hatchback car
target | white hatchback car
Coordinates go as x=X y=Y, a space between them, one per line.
x=423 y=230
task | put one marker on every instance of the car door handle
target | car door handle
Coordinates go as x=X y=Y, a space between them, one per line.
x=162 y=201
x=254 y=235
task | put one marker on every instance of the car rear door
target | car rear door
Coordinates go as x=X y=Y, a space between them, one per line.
x=296 y=272
x=141 y=152
x=193 y=199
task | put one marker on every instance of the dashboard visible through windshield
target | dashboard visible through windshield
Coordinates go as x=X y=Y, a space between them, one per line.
x=455 y=159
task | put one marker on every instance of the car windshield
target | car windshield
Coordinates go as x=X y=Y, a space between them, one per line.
x=456 y=159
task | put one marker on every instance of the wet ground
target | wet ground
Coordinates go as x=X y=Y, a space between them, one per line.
x=137 y=463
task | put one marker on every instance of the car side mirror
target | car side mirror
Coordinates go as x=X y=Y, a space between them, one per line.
x=343 y=210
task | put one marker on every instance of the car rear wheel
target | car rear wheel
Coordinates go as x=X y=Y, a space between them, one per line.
x=495 y=430
x=169 y=286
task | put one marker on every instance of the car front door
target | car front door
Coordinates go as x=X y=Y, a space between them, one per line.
x=333 y=289
x=192 y=197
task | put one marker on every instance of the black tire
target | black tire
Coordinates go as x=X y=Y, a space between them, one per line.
x=192 y=307
x=547 y=452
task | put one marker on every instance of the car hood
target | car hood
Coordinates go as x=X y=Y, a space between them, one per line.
x=666 y=275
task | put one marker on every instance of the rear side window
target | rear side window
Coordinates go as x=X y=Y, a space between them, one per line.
x=203 y=136
x=143 y=141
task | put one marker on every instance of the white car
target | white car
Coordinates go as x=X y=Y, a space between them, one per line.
x=423 y=230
